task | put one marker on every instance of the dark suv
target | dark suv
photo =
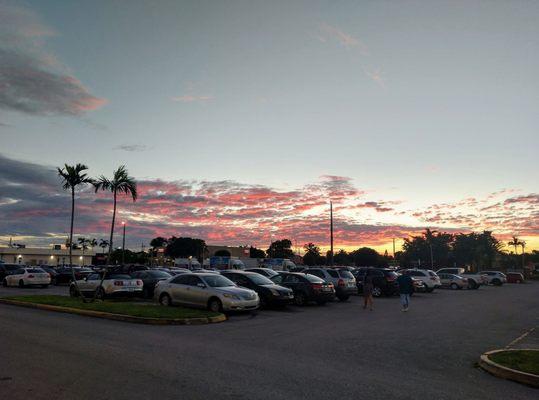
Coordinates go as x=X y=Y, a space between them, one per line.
x=384 y=281
x=8 y=269
x=306 y=287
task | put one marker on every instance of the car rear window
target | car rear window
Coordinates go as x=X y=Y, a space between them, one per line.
x=159 y=274
x=118 y=276
x=333 y=273
x=346 y=274
x=313 y=279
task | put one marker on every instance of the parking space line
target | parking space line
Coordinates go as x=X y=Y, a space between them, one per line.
x=518 y=339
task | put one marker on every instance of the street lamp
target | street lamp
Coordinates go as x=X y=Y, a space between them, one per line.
x=123 y=245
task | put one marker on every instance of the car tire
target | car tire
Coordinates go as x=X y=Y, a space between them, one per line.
x=473 y=285
x=430 y=290
x=454 y=286
x=21 y=283
x=496 y=282
x=344 y=297
x=73 y=291
x=377 y=292
x=215 y=305
x=518 y=281
x=100 y=294
x=165 y=300
x=300 y=299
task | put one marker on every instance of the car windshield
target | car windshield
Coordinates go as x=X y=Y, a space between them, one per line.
x=313 y=279
x=258 y=279
x=346 y=274
x=432 y=273
x=34 y=270
x=159 y=274
x=390 y=274
x=218 y=281
x=118 y=276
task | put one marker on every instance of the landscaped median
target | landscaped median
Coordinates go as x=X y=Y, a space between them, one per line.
x=517 y=365
x=143 y=313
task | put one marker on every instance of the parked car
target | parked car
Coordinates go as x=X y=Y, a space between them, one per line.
x=428 y=278
x=306 y=287
x=64 y=274
x=8 y=269
x=475 y=280
x=515 y=277
x=119 y=285
x=205 y=290
x=419 y=287
x=453 y=281
x=384 y=281
x=178 y=271
x=149 y=280
x=51 y=271
x=269 y=293
x=342 y=279
x=495 y=278
x=267 y=272
x=27 y=277
x=454 y=271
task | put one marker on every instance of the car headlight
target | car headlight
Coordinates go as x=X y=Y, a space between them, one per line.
x=231 y=296
x=275 y=292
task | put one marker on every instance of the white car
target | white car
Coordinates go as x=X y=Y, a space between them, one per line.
x=28 y=277
x=495 y=278
x=429 y=278
x=113 y=285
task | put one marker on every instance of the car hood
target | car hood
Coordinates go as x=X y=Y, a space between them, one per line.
x=277 y=287
x=238 y=291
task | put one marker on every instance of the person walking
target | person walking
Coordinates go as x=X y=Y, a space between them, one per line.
x=406 y=288
x=367 y=291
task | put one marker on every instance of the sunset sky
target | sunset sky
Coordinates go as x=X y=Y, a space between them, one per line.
x=241 y=120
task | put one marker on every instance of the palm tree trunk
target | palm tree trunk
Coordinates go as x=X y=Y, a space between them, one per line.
x=110 y=246
x=71 y=243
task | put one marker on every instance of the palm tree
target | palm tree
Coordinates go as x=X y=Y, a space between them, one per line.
x=120 y=183
x=523 y=244
x=515 y=243
x=103 y=243
x=73 y=176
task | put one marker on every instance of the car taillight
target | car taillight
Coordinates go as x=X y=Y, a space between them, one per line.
x=139 y=282
x=30 y=276
x=316 y=286
x=118 y=283
x=341 y=283
x=391 y=278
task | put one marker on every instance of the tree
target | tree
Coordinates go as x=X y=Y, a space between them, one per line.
x=222 y=253
x=103 y=243
x=157 y=243
x=312 y=254
x=256 y=253
x=431 y=248
x=366 y=257
x=184 y=247
x=280 y=249
x=515 y=243
x=73 y=176
x=120 y=183
x=342 y=258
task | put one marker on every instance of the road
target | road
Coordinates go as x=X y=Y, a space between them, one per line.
x=335 y=351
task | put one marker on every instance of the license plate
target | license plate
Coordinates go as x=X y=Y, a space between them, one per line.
x=130 y=289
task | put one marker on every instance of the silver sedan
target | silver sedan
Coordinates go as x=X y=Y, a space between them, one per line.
x=205 y=290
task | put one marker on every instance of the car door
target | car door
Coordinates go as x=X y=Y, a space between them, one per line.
x=197 y=290
x=178 y=289
x=15 y=277
x=90 y=283
x=293 y=282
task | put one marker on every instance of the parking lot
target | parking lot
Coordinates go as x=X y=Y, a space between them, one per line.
x=334 y=351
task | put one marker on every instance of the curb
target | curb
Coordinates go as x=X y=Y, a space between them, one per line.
x=118 y=317
x=507 y=373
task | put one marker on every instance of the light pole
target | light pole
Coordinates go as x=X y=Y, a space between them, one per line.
x=331 y=233
x=123 y=245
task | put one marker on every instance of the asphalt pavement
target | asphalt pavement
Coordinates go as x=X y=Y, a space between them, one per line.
x=334 y=351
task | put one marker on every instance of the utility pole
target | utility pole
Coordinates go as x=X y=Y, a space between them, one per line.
x=123 y=245
x=431 y=257
x=331 y=233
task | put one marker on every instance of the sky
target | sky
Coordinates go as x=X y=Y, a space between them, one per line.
x=241 y=120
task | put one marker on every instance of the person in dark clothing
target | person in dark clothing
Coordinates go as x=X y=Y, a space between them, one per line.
x=367 y=291
x=406 y=288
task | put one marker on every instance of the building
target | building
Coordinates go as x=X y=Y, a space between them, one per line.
x=239 y=251
x=54 y=256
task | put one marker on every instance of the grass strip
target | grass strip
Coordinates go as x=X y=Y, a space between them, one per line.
x=521 y=360
x=145 y=310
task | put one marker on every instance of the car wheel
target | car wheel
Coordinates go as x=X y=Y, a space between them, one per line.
x=21 y=283
x=343 y=297
x=100 y=294
x=300 y=298
x=215 y=305
x=518 y=281
x=376 y=291
x=73 y=291
x=496 y=282
x=454 y=286
x=4 y=283
x=425 y=287
x=430 y=290
x=165 y=300
x=472 y=285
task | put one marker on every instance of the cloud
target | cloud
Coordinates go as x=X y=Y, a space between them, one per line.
x=132 y=147
x=347 y=40
x=32 y=81
x=189 y=98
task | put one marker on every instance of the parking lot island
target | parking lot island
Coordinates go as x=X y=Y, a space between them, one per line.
x=520 y=365
x=120 y=311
